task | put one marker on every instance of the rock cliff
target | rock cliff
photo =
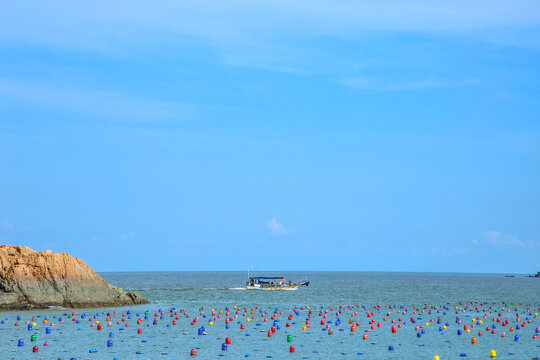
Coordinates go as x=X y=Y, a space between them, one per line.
x=34 y=280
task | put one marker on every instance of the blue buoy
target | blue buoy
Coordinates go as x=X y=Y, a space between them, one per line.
x=47 y=330
x=390 y=348
x=109 y=343
x=20 y=342
x=224 y=346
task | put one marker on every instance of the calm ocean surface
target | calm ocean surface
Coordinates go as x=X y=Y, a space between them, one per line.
x=191 y=291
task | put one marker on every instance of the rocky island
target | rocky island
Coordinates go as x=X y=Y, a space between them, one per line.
x=37 y=280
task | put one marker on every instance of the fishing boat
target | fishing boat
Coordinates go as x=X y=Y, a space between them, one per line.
x=273 y=283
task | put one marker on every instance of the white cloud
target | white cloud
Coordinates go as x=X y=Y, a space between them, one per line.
x=500 y=238
x=110 y=104
x=264 y=33
x=126 y=237
x=243 y=21
x=7 y=225
x=378 y=85
x=276 y=227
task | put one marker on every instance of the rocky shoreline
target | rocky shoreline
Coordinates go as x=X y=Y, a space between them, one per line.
x=38 y=280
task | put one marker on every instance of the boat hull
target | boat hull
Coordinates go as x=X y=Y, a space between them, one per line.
x=258 y=287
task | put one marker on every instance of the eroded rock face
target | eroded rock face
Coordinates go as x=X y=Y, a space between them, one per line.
x=31 y=279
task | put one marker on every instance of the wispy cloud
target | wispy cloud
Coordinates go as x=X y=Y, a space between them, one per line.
x=10 y=227
x=276 y=227
x=243 y=21
x=126 y=237
x=108 y=104
x=6 y=225
x=498 y=238
x=378 y=85
x=446 y=251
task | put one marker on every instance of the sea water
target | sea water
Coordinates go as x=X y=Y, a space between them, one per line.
x=444 y=296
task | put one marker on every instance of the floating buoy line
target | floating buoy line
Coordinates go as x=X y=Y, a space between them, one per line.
x=282 y=328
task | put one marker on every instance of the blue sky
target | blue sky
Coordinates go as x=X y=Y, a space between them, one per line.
x=313 y=135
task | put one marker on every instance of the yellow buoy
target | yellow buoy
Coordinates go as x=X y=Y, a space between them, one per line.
x=304 y=328
x=248 y=319
x=211 y=323
x=493 y=354
x=435 y=357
